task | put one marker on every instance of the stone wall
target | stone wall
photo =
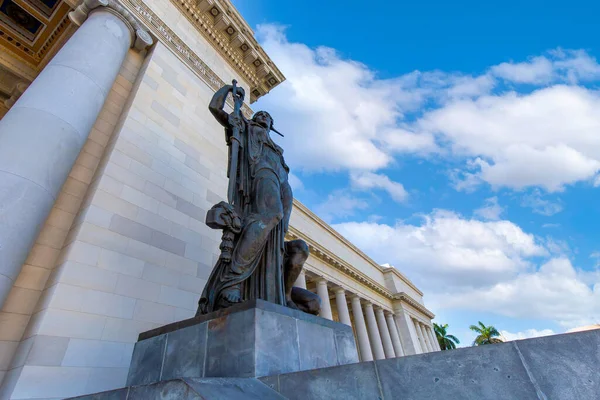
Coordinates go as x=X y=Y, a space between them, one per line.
x=561 y=367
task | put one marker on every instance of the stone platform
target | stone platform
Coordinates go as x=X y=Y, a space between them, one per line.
x=193 y=389
x=557 y=367
x=249 y=340
x=561 y=367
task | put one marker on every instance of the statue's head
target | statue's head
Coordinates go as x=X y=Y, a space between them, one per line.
x=263 y=118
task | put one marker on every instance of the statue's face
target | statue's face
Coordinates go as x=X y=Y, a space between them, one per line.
x=263 y=119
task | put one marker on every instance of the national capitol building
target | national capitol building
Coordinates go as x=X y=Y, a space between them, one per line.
x=109 y=161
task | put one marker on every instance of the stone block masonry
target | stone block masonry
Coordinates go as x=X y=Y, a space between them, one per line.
x=561 y=367
x=193 y=389
x=252 y=339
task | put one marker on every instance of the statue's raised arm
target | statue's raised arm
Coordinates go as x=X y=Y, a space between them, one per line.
x=217 y=103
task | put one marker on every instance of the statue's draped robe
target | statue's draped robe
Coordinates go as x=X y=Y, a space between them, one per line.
x=262 y=277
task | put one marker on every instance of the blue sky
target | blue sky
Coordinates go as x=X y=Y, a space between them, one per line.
x=458 y=142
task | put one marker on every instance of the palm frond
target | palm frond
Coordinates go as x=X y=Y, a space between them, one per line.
x=453 y=339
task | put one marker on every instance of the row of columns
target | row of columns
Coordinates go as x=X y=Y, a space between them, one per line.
x=426 y=337
x=378 y=331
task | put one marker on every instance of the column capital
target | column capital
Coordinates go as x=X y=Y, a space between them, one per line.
x=379 y=310
x=339 y=290
x=368 y=305
x=321 y=281
x=140 y=38
x=15 y=94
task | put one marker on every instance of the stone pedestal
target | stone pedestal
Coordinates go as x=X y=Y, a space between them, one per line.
x=250 y=340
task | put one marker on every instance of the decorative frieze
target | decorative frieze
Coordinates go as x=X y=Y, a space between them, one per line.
x=161 y=31
x=412 y=302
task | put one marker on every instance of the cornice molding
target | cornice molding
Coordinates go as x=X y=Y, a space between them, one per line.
x=337 y=263
x=405 y=297
x=334 y=261
x=221 y=25
x=349 y=244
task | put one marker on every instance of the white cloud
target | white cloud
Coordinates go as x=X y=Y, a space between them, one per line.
x=338 y=115
x=491 y=209
x=576 y=65
x=483 y=266
x=334 y=110
x=537 y=70
x=570 y=66
x=540 y=205
x=447 y=250
x=546 y=138
x=526 y=334
x=550 y=225
x=369 y=180
x=553 y=292
x=340 y=204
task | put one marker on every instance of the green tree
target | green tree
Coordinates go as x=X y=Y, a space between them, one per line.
x=486 y=334
x=446 y=341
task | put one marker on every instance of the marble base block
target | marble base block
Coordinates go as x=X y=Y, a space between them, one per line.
x=253 y=339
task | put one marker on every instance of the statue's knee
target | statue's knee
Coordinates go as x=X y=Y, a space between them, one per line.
x=314 y=306
x=275 y=218
x=300 y=249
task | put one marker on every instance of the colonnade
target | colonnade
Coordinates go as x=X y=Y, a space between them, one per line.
x=380 y=333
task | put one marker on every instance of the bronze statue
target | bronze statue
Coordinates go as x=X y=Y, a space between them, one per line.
x=256 y=262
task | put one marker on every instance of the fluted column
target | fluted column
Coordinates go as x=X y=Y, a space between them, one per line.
x=394 y=335
x=374 y=337
x=342 y=306
x=324 y=295
x=361 y=330
x=384 y=333
x=427 y=337
x=408 y=333
x=421 y=336
x=45 y=130
x=301 y=280
x=434 y=342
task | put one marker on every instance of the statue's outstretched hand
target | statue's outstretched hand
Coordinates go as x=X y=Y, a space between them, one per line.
x=239 y=96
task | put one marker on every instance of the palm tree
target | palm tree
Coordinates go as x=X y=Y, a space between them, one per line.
x=486 y=334
x=446 y=341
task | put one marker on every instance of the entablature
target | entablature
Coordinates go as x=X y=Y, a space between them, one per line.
x=221 y=25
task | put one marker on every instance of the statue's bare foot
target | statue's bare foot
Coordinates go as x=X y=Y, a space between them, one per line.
x=232 y=295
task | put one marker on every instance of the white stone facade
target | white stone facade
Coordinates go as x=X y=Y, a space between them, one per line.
x=113 y=230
